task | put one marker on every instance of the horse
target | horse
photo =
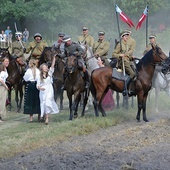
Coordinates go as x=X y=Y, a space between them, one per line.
x=102 y=80
x=14 y=79
x=46 y=57
x=75 y=85
x=160 y=82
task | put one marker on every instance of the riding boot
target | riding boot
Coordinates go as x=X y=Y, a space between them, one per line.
x=131 y=87
x=87 y=80
x=126 y=85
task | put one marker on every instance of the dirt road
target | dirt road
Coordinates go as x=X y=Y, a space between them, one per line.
x=131 y=145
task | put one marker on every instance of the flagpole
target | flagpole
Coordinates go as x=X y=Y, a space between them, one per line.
x=118 y=29
x=147 y=27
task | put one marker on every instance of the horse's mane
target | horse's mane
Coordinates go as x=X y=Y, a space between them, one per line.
x=146 y=59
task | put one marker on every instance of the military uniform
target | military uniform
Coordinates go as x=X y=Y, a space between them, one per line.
x=36 y=48
x=87 y=38
x=128 y=57
x=132 y=45
x=100 y=49
x=18 y=49
x=149 y=46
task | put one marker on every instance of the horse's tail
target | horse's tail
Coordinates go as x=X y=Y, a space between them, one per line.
x=92 y=88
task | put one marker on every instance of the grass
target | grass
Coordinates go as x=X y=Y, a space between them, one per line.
x=17 y=135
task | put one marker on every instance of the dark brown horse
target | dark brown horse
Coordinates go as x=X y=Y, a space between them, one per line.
x=47 y=57
x=102 y=80
x=14 y=80
x=75 y=85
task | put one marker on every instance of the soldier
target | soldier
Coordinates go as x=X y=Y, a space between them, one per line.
x=123 y=51
x=72 y=48
x=152 y=39
x=18 y=49
x=59 y=43
x=86 y=37
x=36 y=47
x=101 y=48
x=131 y=42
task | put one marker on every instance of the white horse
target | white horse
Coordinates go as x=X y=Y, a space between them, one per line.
x=91 y=63
x=160 y=82
x=90 y=59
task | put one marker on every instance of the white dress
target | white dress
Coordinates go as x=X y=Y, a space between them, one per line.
x=47 y=103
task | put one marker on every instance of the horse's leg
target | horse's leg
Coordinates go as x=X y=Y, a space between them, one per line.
x=140 y=105
x=77 y=98
x=21 y=97
x=16 y=98
x=61 y=99
x=156 y=98
x=144 y=108
x=9 y=98
x=70 y=106
x=132 y=102
x=125 y=102
x=85 y=101
x=118 y=99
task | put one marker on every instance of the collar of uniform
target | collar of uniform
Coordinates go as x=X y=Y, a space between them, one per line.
x=100 y=40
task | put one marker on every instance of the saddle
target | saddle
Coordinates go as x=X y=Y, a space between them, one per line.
x=118 y=74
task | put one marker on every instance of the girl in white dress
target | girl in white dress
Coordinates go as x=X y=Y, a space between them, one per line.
x=44 y=84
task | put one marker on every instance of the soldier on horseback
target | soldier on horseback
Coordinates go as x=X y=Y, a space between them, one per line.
x=72 y=48
x=101 y=48
x=59 y=43
x=36 y=47
x=124 y=55
x=86 y=37
x=18 y=49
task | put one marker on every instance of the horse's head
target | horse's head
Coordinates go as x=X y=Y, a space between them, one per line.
x=71 y=64
x=4 y=52
x=166 y=66
x=47 y=55
x=158 y=54
x=84 y=46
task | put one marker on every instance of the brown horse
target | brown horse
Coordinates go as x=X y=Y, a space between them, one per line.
x=14 y=80
x=102 y=80
x=75 y=85
x=47 y=57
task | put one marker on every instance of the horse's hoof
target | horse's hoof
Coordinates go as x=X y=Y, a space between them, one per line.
x=146 y=120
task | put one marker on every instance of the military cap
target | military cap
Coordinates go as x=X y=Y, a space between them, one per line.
x=128 y=30
x=61 y=34
x=152 y=36
x=84 y=28
x=37 y=35
x=18 y=34
x=66 y=38
x=123 y=33
x=101 y=33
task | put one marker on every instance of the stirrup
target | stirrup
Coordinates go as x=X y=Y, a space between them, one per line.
x=87 y=85
x=63 y=87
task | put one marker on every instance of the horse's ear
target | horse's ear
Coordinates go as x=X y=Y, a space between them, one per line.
x=85 y=42
x=169 y=53
x=153 y=46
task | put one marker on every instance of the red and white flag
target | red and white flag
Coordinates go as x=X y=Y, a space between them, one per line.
x=124 y=17
x=142 y=18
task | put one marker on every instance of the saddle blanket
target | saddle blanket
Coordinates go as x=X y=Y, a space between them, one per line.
x=118 y=74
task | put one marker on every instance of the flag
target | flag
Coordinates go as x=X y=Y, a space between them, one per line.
x=124 y=17
x=142 y=18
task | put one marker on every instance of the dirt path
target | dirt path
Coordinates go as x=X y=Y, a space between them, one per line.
x=131 y=145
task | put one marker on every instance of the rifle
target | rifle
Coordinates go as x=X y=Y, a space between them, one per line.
x=19 y=39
